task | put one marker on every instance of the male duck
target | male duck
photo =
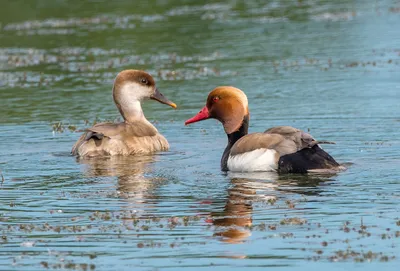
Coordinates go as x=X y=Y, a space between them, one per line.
x=282 y=149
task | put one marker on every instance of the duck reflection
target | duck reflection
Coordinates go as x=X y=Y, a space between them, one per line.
x=236 y=217
x=133 y=174
x=234 y=222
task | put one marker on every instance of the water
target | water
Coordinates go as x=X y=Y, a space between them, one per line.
x=330 y=68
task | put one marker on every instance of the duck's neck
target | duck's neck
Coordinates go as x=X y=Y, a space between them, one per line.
x=128 y=101
x=232 y=138
x=131 y=111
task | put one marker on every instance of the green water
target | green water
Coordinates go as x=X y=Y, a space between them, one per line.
x=330 y=67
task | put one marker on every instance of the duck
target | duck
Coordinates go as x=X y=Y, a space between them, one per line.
x=135 y=135
x=282 y=149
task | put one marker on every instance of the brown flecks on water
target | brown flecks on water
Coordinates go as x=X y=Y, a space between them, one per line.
x=288 y=65
x=58 y=127
x=293 y=221
x=44 y=264
x=358 y=256
x=144 y=224
x=262 y=226
x=345 y=228
x=394 y=9
x=68 y=265
x=98 y=60
x=186 y=220
x=272 y=227
x=352 y=64
x=286 y=235
x=145 y=227
x=290 y=204
x=140 y=245
x=271 y=200
x=2 y=178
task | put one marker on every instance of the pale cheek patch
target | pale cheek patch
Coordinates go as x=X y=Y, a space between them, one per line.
x=257 y=160
x=134 y=92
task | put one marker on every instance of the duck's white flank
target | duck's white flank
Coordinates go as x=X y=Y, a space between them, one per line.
x=257 y=160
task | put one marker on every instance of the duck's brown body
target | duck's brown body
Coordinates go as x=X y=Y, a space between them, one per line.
x=108 y=139
x=136 y=135
x=283 y=149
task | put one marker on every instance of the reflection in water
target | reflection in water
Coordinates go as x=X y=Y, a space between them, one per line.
x=134 y=183
x=237 y=213
x=234 y=222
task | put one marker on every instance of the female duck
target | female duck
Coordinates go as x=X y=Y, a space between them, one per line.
x=283 y=149
x=136 y=135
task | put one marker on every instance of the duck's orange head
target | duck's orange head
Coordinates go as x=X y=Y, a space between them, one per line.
x=227 y=104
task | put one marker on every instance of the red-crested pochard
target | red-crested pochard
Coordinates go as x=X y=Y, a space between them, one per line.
x=283 y=149
x=136 y=135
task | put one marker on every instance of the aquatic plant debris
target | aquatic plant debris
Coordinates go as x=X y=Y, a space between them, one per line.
x=2 y=178
x=327 y=67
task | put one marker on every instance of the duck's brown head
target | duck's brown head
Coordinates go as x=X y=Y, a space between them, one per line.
x=229 y=105
x=136 y=85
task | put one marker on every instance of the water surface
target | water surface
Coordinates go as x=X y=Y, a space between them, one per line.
x=328 y=68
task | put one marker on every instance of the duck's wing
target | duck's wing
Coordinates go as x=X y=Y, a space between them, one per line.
x=299 y=137
x=98 y=132
x=269 y=141
x=308 y=156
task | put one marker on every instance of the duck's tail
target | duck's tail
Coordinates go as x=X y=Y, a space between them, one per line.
x=306 y=160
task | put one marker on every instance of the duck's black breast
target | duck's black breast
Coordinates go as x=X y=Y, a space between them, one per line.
x=306 y=159
x=232 y=138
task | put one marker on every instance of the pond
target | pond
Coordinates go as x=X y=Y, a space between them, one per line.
x=328 y=67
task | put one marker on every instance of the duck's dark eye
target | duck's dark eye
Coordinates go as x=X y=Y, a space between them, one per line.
x=144 y=81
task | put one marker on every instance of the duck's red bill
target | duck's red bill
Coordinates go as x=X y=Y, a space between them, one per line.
x=202 y=115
